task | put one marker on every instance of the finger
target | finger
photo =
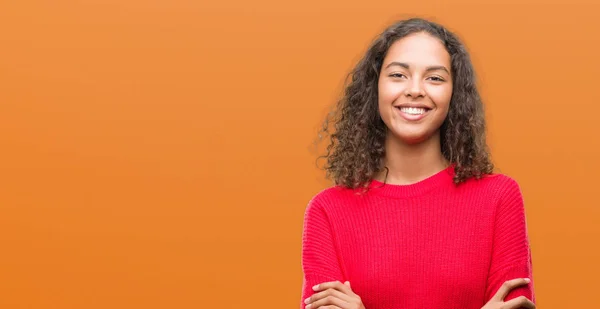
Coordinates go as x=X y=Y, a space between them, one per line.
x=507 y=286
x=519 y=302
x=350 y=291
x=328 y=292
x=334 y=285
x=327 y=301
x=330 y=307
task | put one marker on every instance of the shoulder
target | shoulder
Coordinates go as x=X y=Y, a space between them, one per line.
x=317 y=213
x=496 y=184
x=331 y=199
x=495 y=189
x=330 y=195
x=507 y=194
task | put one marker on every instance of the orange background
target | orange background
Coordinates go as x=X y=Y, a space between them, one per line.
x=157 y=154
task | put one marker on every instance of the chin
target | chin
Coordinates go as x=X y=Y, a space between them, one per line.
x=411 y=139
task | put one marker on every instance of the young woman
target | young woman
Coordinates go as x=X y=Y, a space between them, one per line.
x=417 y=218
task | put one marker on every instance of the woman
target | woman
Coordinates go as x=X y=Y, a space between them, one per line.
x=418 y=218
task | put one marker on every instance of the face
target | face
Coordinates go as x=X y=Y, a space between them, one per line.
x=415 y=88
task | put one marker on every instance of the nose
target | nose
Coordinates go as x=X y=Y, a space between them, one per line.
x=414 y=89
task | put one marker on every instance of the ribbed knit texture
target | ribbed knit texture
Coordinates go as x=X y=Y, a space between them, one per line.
x=431 y=244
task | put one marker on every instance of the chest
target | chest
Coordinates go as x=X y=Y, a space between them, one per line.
x=418 y=250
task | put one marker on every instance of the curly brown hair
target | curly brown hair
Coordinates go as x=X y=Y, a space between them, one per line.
x=356 y=148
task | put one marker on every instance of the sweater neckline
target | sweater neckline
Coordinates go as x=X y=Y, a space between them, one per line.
x=444 y=176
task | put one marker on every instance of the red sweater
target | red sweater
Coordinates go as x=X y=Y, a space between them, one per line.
x=431 y=244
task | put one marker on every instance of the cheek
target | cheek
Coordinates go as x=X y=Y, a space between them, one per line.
x=441 y=96
x=387 y=92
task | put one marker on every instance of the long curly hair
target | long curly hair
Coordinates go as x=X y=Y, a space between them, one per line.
x=356 y=150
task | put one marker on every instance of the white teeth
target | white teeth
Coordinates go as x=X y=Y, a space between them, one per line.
x=413 y=110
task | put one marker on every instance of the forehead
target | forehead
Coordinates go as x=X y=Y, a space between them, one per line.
x=418 y=49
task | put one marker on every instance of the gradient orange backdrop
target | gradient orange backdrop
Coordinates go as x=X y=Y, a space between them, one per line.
x=157 y=154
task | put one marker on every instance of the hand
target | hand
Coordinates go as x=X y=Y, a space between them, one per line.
x=497 y=301
x=334 y=295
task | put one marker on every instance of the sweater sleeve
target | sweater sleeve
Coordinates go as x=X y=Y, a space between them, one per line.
x=319 y=258
x=511 y=254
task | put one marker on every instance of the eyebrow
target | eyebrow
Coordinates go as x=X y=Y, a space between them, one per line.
x=430 y=68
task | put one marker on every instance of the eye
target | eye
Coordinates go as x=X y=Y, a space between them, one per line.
x=397 y=75
x=436 y=79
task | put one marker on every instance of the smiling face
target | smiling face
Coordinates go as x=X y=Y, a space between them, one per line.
x=415 y=88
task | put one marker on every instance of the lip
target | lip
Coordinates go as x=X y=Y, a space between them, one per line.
x=411 y=117
x=418 y=105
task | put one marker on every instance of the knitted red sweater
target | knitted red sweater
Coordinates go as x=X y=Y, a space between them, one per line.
x=431 y=244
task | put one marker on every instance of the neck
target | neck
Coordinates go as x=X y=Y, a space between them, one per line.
x=410 y=163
